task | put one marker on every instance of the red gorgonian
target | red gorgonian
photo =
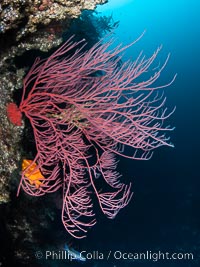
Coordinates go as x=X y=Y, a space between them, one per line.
x=86 y=107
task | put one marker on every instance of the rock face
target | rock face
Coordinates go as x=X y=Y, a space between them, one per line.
x=10 y=135
x=26 y=16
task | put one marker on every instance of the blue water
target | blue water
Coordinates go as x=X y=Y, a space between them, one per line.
x=164 y=212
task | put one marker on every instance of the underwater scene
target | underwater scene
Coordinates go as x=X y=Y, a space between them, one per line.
x=99 y=133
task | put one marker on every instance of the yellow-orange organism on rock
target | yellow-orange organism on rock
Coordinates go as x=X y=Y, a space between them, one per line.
x=32 y=173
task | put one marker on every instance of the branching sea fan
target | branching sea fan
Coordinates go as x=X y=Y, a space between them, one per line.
x=86 y=107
